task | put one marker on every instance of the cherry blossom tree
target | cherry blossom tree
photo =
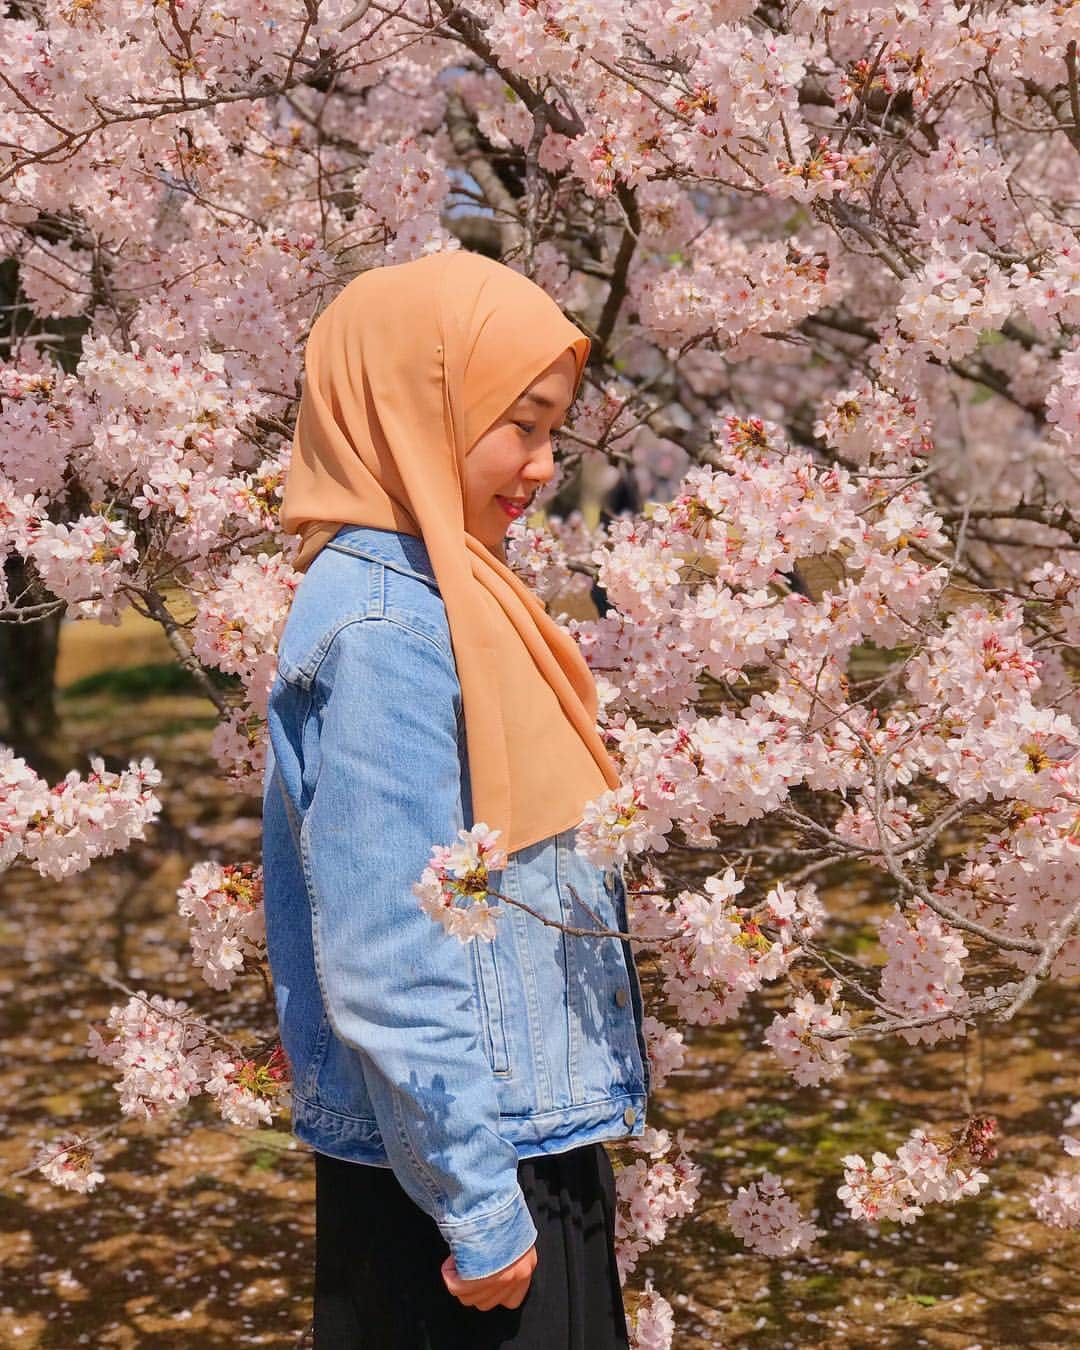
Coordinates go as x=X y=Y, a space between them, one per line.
x=828 y=257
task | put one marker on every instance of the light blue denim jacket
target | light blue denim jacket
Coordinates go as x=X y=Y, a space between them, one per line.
x=446 y=1062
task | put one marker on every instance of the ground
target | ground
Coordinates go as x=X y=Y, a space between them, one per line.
x=202 y=1236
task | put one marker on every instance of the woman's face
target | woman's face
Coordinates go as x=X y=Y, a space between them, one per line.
x=513 y=459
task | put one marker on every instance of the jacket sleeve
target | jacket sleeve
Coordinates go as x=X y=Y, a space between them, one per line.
x=397 y=987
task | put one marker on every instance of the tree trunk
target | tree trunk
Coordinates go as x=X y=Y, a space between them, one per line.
x=28 y=654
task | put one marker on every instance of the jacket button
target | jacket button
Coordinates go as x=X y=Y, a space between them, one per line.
x=621 y=996
x=629 y=1115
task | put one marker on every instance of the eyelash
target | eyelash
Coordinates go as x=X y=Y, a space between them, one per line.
x=529 y=429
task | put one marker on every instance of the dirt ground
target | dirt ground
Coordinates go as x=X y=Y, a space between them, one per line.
x=203 y=1235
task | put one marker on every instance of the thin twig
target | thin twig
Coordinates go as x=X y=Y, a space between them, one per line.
x=158 y=610
x=1059 y=935
x=568 y=928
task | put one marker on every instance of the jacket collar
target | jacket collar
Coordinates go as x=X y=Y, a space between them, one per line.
x=407 y=552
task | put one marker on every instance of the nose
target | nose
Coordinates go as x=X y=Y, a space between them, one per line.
x=540 y=468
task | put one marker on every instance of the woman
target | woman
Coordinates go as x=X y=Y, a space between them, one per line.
x=456 y=1096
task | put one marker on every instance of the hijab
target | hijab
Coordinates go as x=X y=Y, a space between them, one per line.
x=405 y=370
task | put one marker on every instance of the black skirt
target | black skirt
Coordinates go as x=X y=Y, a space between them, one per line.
x=378 y=1284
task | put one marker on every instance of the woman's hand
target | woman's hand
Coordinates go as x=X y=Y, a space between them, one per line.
x=506 y=1288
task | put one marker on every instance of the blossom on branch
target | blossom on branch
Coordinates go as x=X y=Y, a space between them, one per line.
x=224 y=904
x=769 y=1221
x=924 y=1171
x=68 y=1162
x=453 y=889
x=794 y=1040
x=62 y=829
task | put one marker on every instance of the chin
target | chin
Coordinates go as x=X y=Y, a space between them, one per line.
x=491 y=537
x=492 y=542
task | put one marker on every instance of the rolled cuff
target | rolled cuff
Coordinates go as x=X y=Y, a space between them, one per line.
x=491 y=1242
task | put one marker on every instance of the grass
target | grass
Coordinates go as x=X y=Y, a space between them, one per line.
x=150 y=680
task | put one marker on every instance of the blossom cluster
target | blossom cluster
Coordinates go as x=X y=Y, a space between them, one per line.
x=454 y=887
x=653 y=1326
x=70 y=1163
x=924 y=1171
x=246 y=1091
x=85 y=563
x=713 y=953
x=1056 y=1198
x=768 y=1220
x=657 y=1187
x=666 y=1049
x=223 y=902
x=795 y=1038
x=402 y=187
x=160 y=1050
x=238 y=622
x=923 y=971
x=60 y=830
x=165 y=1056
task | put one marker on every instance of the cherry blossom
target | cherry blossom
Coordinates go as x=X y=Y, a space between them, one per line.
x=666 y=1050
x=654 y=1321
x=247 y=1092
x=1056 y=1197
x=166 y=1055
x=1056 y=1200
x=923 y=972
x=237 y=626
x=655 y=1188
x=793 y=1038
x=68 y=1162
x=62 y=829
x=924 y=1171
x=24 y=799
x=224 y=904
x=768 y=1221
x=460 y=872
x=160 y=1050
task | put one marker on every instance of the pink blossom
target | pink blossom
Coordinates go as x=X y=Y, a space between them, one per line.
x=796 y=1041
x=224 y=904
x=1056 y=1200
x=768 y=1221
x=924 y=972
x=460 y=872
x=237 y=625
x=666 y=1050
x=924 y=1171
x=68 y=1162
x=654 y=1321
x=245 y=1092
x=651 y=1191
x=160 y=1050
x=61 y=830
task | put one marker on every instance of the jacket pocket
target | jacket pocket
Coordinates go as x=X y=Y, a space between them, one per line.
x=637 y=1001
x=318 y=1058
x=489 y=990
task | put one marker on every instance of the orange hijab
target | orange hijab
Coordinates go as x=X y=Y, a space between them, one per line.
x=405 y=370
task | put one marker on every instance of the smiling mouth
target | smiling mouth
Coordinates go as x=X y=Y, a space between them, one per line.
x=513 y=506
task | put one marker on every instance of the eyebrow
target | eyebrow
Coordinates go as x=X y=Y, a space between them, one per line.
x=541 y=401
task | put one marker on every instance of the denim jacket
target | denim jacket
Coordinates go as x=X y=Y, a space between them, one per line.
x=443 y=1061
